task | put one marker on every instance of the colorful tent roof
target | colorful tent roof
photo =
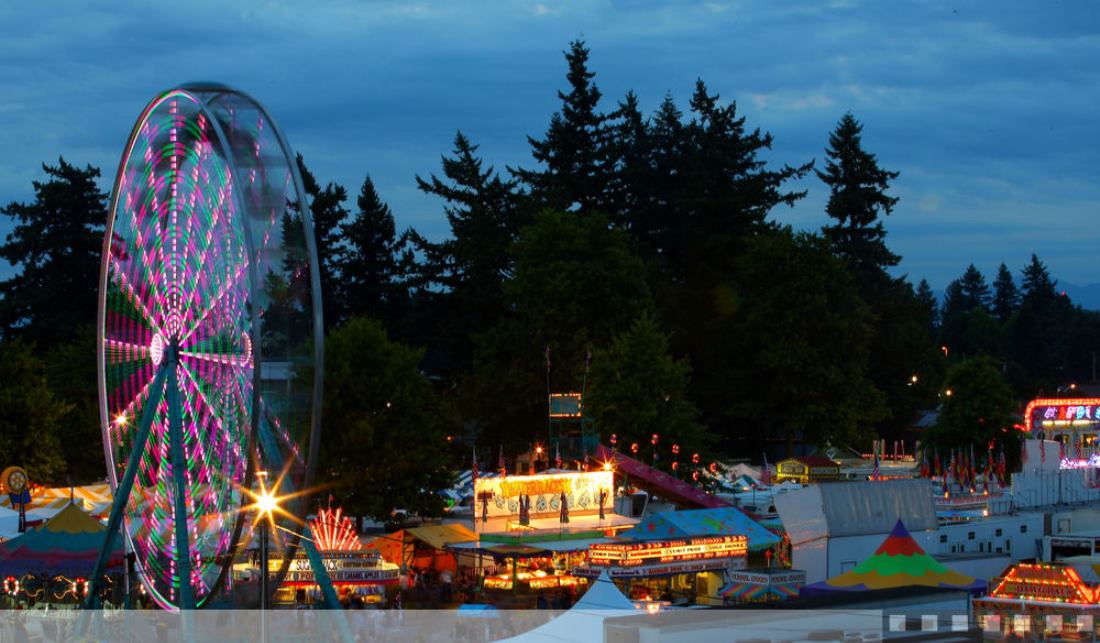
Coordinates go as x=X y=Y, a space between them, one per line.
x=756 y=591
x=898 y=562
x=66 y=544
x=723 y=521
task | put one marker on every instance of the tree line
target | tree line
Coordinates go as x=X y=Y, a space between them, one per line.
x=639 y=256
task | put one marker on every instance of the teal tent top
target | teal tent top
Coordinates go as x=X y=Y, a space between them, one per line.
x=721 y=521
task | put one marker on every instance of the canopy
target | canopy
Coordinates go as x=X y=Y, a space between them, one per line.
x=757 y=591
x=723 y=521
x=439 y=536
x=898 y=562
x=67 y=544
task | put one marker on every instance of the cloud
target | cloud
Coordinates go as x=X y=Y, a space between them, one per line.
x=988 y=112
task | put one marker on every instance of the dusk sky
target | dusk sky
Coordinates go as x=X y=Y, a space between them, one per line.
x=988 y=109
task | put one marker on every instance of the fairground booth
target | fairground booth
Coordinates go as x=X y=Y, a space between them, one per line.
x=357 y=573
x=807 y=469
x=533 y=530
x=1032 y=599
x=52 y=563
x=682 y=556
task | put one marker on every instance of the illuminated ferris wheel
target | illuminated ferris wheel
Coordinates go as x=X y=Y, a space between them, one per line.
x=209 y=334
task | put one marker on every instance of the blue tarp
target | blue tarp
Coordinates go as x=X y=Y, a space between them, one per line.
x=722 y=521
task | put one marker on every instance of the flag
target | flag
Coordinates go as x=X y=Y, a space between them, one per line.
x=473 y=468
x=936 y=463
x=564 y=516
x=557 y=455
x=875 y=472
x=973 y=467
x=924 y=472
x=766 y=473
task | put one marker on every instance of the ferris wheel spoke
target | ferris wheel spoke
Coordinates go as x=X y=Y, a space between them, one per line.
x=131 y=294
x=241 y=271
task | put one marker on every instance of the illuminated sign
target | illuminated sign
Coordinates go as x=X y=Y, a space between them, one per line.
x=665 y=569
x=565 y=405
x=365 y=567
x=539 y=580
x=1062 y=413
x=792 y=577
x=1044 y=583
x=581 y=489
x=649 y=552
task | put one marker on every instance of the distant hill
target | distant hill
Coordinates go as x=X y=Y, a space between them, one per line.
x=1084 y=296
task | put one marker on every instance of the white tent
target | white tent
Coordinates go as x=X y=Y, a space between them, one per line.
x=583 y=621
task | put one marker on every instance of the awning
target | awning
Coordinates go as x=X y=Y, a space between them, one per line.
x=500 y=549
x=756 y=591
x=439 y=536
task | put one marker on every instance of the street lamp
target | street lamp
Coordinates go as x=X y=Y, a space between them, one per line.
x=265 y=504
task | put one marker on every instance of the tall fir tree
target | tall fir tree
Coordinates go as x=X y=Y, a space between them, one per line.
x=975 y=290
x=573 y=152
x=55 y=246
x=1038 y=287
x=471 y=266
x=1006 y=297
x=857 y=200
x=930 y=310
x=329 y=216
x=374 y=265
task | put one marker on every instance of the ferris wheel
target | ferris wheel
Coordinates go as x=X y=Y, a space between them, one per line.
x=209 y=335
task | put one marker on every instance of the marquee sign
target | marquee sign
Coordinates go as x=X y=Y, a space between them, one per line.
x=581 y=489
x=1043 y=583
x=1062 y=413
x=664 y=569
x=666 y=551
x=344 y=568
x=794 y=576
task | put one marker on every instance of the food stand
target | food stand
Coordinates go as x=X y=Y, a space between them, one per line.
x=1039 y=597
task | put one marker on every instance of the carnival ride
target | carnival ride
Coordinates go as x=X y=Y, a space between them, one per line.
x=209 y=340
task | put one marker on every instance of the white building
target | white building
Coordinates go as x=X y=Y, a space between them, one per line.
x=835 y=526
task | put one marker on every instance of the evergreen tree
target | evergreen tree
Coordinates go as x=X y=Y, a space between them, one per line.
x=930 y=309
x=573 y=152
x=329 y=216
x=975 y=291
x=857 y=198
x=472 y=265
x=375 y=262
x=627 y=195
x=1038 y=286
x=56 y=247
x=1006 y=298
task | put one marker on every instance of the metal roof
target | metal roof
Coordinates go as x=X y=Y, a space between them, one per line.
x=855 y=508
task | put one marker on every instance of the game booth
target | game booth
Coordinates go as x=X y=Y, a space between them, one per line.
x=1032 y=599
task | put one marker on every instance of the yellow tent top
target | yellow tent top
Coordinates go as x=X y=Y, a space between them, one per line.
x=73 y=520
x=438 y=536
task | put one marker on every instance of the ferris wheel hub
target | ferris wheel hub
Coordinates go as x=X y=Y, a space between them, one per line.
x=156 y=349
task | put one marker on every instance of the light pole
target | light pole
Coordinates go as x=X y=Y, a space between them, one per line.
x=266 y=504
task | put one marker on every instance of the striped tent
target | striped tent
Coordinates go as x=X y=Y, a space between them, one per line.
x=67 y=544
x=898 y=562
x=758 y=592
x=58 y=497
